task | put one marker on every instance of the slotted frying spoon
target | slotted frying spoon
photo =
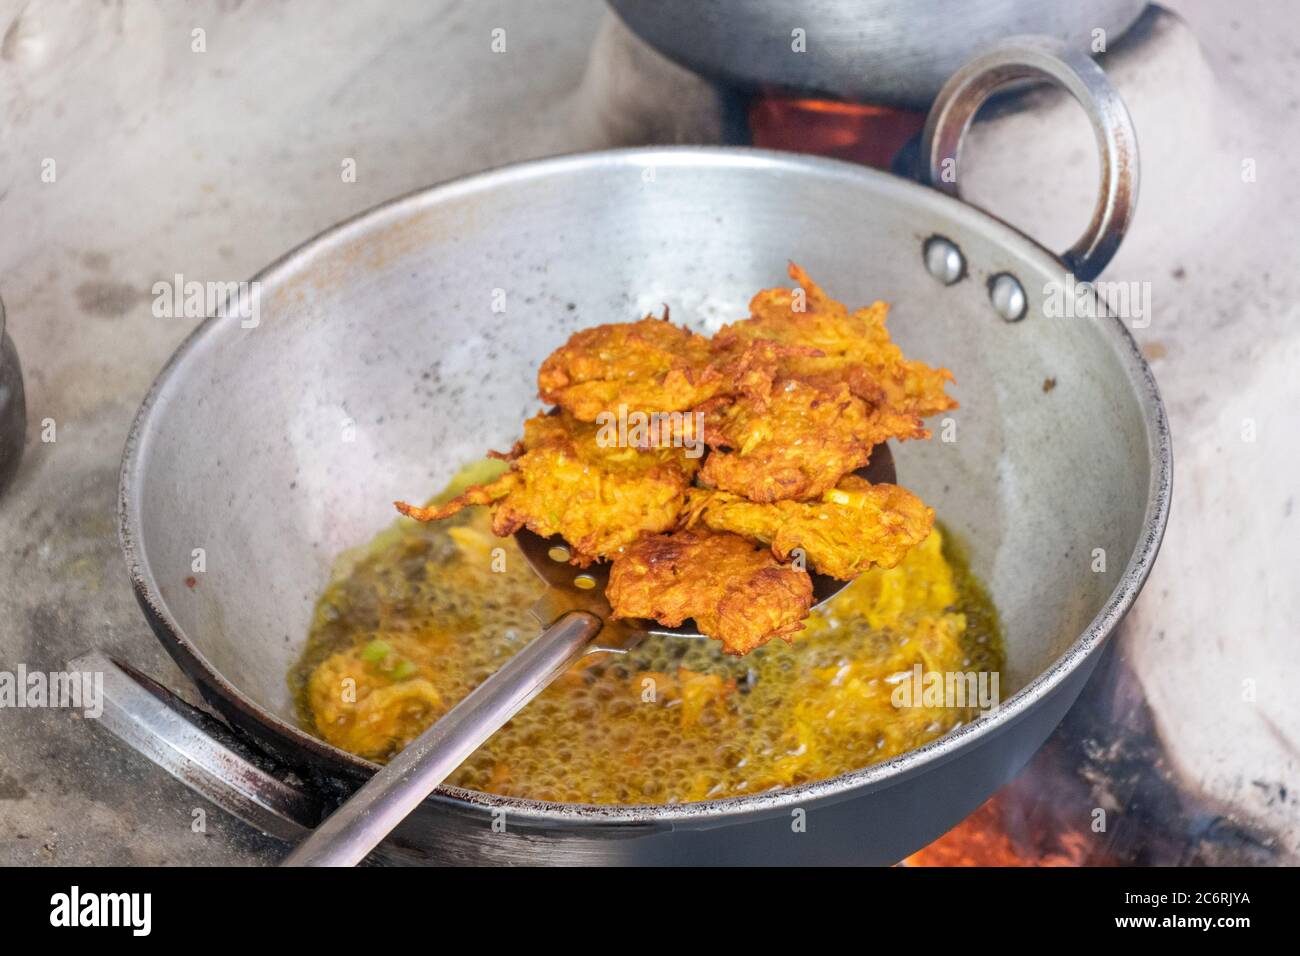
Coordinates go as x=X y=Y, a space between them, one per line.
x=573 y=612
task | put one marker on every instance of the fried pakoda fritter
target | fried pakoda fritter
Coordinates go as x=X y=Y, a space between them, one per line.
x=563 y=480
x=853 y=348
x=854 y=527
x=842 y=388
x=796 y=445
x=653 y=366
x=375 y=698
x=784 y=406
x=735 y=592
x=650 y=366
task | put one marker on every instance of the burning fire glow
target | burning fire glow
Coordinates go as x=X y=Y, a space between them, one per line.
x=1002 y=833
x=866 y=134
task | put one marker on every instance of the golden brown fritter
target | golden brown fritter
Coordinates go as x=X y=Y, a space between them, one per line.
x=854 y=527
x=734 y=591
x=854 y=348
x=797 y=444
x=563 y=481
x=654 y=366
x=373 y=699
x=650 y=366
x=789 y=403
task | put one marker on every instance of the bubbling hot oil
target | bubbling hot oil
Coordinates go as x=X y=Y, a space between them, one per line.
x=423 y=615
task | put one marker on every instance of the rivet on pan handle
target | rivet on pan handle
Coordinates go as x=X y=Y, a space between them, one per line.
x=1032 y=57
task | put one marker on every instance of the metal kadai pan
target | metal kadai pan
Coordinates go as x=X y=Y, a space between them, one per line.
x=384 y=323
x=889 y=52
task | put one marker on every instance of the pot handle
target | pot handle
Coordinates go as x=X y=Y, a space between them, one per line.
x=198 y=750
x=1042 y=58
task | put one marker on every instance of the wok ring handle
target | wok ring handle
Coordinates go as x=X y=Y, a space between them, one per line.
x=198 y=750
x=1042 y=58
